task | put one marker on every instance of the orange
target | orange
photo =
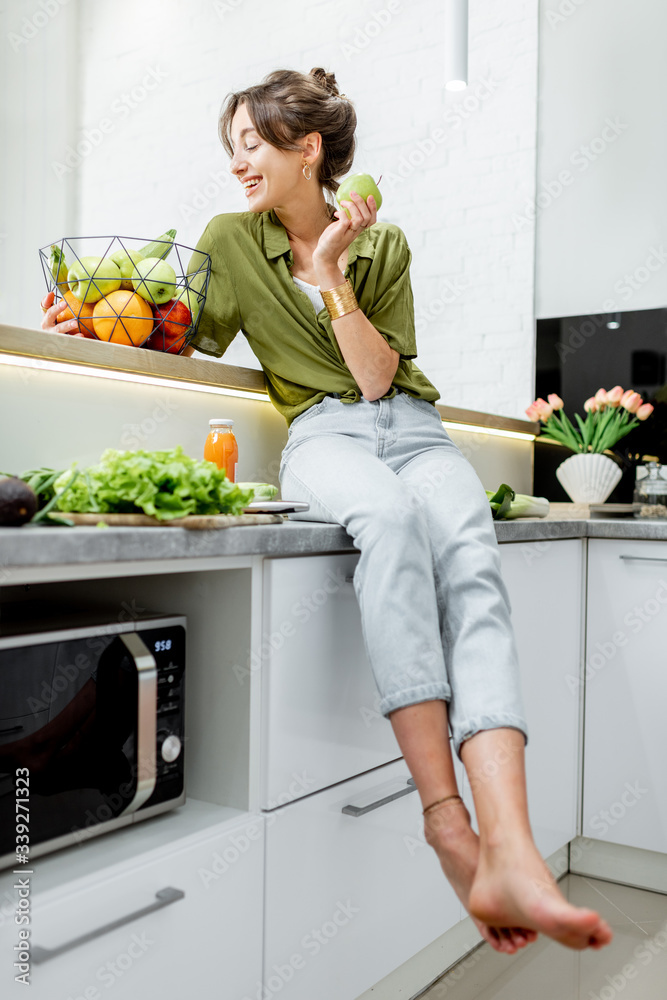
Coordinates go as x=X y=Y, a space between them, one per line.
x=123 y=317
x=81 y=311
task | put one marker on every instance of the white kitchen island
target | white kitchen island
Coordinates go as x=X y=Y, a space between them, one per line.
x=291 y=885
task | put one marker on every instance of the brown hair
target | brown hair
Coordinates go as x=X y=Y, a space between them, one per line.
x=288 y=105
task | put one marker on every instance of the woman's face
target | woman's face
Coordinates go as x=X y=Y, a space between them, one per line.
x=271 y=177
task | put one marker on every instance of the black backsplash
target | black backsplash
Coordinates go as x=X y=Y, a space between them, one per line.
x=577 y=355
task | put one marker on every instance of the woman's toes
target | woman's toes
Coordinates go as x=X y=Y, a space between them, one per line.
x=491 y=936
x=601 y=936
x=511 y=945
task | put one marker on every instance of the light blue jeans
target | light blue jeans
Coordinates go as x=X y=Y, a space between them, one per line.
x=434 y=608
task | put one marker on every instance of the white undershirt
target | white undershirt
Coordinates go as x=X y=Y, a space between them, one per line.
x=312 y=291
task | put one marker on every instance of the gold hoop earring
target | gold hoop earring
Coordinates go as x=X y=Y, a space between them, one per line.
x=306 y=167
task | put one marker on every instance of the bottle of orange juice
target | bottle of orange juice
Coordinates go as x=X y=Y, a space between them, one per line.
x=221 y=446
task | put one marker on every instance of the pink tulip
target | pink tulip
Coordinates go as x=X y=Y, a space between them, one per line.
x=644 y=411
x=555 y=401
x=543 y=408
x=591 y=405
x=615 y=395
x=601 y=398
x=626 y=396
x=532 y=412
x=633 y=402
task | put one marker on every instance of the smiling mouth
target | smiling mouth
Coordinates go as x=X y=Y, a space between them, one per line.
x=251 y=185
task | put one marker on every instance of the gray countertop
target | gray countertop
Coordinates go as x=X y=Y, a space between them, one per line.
x=36 y=546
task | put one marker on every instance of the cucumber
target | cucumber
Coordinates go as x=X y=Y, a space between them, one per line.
x=160 y=247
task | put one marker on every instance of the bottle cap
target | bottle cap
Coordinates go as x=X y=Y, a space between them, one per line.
x=220 y=422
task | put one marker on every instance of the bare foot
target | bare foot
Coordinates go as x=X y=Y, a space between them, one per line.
x=449 y=833
x=513 y=885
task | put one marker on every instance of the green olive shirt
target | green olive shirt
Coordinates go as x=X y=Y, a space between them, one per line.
x=251 y=289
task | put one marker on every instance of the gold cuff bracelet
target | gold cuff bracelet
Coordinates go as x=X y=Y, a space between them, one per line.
x=340 y=300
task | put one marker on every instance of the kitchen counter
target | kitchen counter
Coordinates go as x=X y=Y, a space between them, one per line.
x=83 y=545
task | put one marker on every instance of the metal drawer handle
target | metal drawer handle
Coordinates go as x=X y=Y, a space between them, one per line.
x=163 y=898
x=357 y=811
x=645 y=558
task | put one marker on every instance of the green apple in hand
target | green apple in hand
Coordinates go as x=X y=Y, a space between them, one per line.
x=154 y=279
x=363 y=184
x=91 y=278
x=126 y=260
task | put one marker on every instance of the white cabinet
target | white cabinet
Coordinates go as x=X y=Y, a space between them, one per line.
x=349 y=898
x=204 y=940
x=545 y=581
x=321 y=722
x=625 y=778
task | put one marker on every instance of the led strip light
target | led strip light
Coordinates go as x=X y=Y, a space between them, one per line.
x=62 y=366
x=120 y=376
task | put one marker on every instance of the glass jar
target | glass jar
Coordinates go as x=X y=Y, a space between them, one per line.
x=649 y=500
x=221 y=446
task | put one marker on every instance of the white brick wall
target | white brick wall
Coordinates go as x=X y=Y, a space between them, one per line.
x=38 y=91
x=161 y=164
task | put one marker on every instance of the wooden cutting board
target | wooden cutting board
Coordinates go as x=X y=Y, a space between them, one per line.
x=197 y=521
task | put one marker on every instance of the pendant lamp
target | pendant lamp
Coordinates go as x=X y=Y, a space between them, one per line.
x=456 y=44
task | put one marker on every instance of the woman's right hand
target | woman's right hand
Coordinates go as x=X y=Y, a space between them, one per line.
x=50 y=318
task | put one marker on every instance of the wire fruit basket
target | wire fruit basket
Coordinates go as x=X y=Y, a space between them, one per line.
x=125 y=290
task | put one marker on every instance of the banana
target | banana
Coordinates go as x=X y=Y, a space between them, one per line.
x=59 y=268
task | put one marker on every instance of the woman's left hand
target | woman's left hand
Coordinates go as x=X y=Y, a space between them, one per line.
x=337 y=237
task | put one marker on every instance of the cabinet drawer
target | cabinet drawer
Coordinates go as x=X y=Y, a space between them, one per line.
x=548 y=646
x=206 y=943
x=350 y=898
x=321 y=722
x=625 y=787
x=548 y=638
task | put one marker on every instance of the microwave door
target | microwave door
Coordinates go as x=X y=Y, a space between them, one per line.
x=80 y=714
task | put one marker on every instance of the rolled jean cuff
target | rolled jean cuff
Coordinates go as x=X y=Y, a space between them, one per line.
x=435 y=691
x=504 y=720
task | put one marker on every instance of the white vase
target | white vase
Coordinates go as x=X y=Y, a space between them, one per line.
x=588 y=478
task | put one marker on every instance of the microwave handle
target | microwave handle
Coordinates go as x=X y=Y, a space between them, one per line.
x=146 y=719
x=162 y=898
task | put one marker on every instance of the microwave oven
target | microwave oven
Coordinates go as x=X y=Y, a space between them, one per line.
x=91 y=723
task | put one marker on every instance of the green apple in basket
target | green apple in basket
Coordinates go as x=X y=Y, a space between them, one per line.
x=91 y=278
x=190 y=293
x=154 y=280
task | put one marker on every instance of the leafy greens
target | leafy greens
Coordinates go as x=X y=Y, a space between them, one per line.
x=163 y=484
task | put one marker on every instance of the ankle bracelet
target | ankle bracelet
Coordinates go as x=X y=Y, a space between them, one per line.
x=438 y=802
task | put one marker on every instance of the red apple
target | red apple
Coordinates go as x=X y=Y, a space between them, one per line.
x=173 y=320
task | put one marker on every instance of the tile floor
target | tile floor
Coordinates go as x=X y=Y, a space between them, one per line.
x=632 y=967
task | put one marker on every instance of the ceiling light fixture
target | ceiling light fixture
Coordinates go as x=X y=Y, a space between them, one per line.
x=456 y=44
x=614 y=321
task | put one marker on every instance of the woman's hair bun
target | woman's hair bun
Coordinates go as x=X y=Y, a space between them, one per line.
x=326 y=80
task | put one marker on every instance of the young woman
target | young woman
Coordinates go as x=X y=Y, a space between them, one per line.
x=325 y=300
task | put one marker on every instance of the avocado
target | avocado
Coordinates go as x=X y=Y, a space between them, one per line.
x=18 y=502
